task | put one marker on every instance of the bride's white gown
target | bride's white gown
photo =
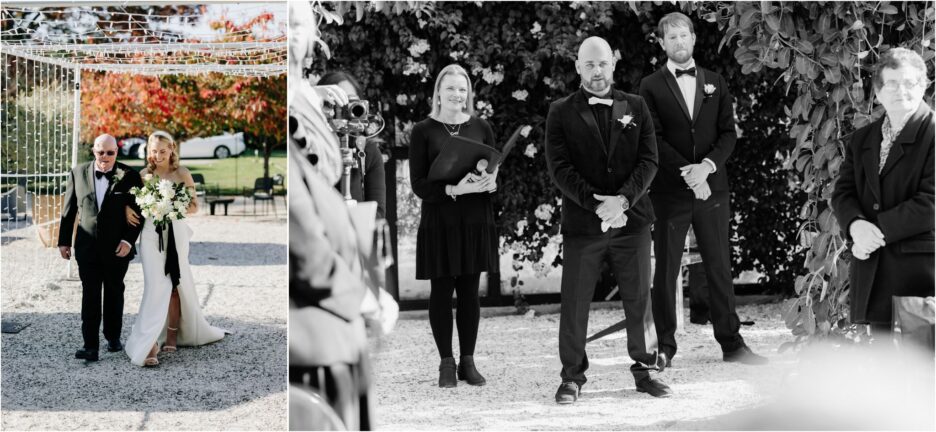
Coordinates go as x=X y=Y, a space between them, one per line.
x=150 y=325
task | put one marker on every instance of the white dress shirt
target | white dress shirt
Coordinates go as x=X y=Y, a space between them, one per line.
x=687 y=83
x=100 y=188
x=687 y=86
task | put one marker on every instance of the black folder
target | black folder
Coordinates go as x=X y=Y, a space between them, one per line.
x=458 y=157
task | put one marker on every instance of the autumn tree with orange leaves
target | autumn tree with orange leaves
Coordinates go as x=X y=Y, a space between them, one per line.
x=189 y=105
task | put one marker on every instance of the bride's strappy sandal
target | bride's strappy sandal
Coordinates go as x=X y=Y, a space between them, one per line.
x=170 y=348
x=151 y=359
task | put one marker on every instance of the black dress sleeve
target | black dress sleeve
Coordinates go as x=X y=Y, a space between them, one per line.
x=419 y=163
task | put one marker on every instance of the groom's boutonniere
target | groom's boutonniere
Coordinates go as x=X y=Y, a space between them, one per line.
x=627 y=121
x=709 y=90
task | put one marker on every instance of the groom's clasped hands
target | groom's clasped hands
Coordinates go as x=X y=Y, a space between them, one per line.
x=611 y=211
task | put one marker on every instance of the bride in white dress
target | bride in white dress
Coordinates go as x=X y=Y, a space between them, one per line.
x=168 y=314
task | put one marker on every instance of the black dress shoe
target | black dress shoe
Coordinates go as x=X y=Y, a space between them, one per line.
x=654 y=387
x=114 y=346
x=744 y=355
x=86 y=354
x=447 y=373
x=696 y=319
x=468 y=372
x=568 y=393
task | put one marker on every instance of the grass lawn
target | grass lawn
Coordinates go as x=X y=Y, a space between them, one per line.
x=231 y=174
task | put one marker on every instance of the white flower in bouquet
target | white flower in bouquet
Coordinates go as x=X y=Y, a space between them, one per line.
x=543 y=212
x=520 y=95
x=167 y=188
x=484 y=109
x=401 y=99
x=530 y=151
x=525 y=130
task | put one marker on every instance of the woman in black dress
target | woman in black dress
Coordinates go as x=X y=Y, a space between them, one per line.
x=457 y=238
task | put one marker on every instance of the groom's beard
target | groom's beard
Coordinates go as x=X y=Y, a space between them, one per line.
x=597 y=86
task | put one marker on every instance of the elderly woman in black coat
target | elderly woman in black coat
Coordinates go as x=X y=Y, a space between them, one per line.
x=883 y=198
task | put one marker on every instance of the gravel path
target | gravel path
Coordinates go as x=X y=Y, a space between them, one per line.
x=519 y=357
x=815 y=388
x=238 y=383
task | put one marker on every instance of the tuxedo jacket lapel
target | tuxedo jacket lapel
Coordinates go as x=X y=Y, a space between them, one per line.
x=89 y=177
x=618 y=110
x=581 y=106
x=674 y=88
x=700 y=86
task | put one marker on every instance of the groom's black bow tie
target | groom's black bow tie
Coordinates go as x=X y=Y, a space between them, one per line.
x=109 y=175
x=681 y=72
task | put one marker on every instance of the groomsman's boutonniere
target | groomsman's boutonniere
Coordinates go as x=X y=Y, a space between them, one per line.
x=627 y=121
x=709 y=90
x=118 y=176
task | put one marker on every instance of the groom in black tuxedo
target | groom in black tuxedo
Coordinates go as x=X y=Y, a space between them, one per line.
x=602 y=155
x=694 y=120
x=99 y=191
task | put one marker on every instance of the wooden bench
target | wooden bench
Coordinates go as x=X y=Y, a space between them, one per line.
x=212 y=201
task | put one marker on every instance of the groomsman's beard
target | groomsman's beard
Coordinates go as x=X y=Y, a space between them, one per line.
x=681 y=59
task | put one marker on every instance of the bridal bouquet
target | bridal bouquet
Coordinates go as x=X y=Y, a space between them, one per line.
x=162 y=201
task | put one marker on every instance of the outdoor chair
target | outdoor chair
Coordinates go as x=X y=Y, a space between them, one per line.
x=199 y=180
x=263 y=191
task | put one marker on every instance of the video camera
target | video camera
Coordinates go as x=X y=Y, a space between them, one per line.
x=354 y=119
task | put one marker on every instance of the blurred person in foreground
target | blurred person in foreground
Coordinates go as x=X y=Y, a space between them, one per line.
x=330 y=381
x=457 y=236
x=883 y=197
x=367 y=179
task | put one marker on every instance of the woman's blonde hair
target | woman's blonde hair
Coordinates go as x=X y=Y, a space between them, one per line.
x=436 y=99
x=160 y=137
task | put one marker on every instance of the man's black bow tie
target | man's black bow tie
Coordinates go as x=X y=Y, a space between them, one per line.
x=681 y=72
x=109 y=174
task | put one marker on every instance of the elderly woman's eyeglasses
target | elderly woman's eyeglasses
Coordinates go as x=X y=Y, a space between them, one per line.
x=105 y=152
x=892 y=85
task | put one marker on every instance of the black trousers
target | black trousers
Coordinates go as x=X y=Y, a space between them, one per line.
x=104 y=276
x=675 y=212
x=629 y=258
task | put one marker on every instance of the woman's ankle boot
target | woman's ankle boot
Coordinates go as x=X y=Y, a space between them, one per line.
x=447 y=373
x=468 y=372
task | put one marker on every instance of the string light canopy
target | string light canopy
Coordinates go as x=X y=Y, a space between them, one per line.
x=123 y=39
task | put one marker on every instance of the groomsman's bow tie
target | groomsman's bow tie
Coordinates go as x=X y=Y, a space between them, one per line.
x=681 y=72
x=99 y=174
x=596 y=100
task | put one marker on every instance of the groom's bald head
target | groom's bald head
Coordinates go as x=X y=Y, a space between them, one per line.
x=595 y=65
x=595 y=47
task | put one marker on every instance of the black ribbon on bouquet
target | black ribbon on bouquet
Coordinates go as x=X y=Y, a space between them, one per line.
x=172 y=254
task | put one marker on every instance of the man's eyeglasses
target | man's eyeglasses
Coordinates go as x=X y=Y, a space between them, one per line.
x=895 y=84
x=106 y=152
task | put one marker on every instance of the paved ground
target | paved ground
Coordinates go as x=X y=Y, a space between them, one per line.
x=239 y=264
x=810 y=389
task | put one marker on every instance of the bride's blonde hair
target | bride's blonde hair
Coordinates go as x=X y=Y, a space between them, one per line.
x=161 y=137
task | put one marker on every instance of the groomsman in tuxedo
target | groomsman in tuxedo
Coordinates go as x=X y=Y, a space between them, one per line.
x=601 y=153
x=97 y=194
x=694 y=121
